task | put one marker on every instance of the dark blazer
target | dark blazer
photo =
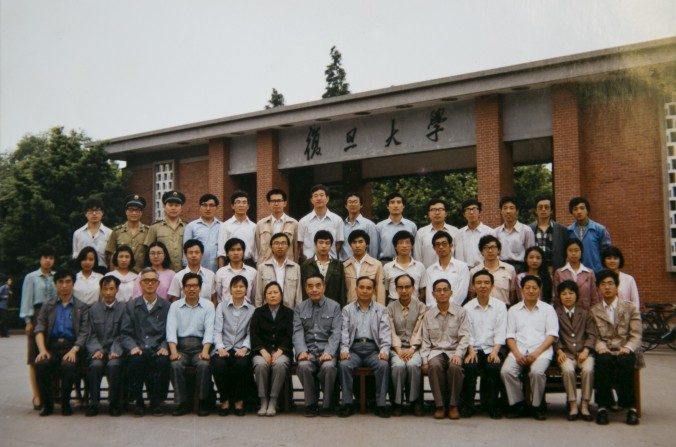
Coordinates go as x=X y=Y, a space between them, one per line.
x=270 y=334
x=79 y=317
x=101 y=337
x=334 y=279
x=147 y=330
x=575 y=334
x=559 y=239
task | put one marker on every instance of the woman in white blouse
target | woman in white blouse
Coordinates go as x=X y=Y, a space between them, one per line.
x=86 y=288
x=123 y=259
x=612 y=259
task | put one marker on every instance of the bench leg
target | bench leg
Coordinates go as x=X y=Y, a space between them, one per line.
x=637 y=391
x=362 y=394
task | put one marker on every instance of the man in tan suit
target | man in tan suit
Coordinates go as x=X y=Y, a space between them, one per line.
x=361 y=264
x=276 y=222
x=618 y=325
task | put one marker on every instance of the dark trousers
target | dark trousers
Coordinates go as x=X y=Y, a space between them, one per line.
x=615 y=370
x=3 y=323
x=55 y=367
x=365 y=354
x=190 y=349
x=490 y=381
x=232 y=375
x=113 y=370
x=153 y=370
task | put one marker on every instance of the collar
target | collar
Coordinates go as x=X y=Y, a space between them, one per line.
x=477 y=305
x=388 y=221
x=314 y=215
x=517 y=227
x=184 y=303
x=142 y=301
x=283 y=218
x=109 y=306
x=583 y=268
x=612 y=305
x=234 y=219
x=178 y=224
x=319 y=303
x=357 y=219
x=245 y=303
x=356 y=305
x=214 y=222
x=71 y=301
x=435 y=310
x=522 y=306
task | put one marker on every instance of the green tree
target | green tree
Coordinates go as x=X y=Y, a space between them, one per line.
x=336 y=83
x=276 y=99
x=531 y=181
x=46 y=180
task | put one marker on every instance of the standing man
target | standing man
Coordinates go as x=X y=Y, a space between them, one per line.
x=169 y=230
x=532 y=329
x=593 y=235
x=445 y=337
x=514 y=236
x=618 y=327
x=238 y=226
x=360 y=265
x=404 y=264
x=467 y=240
x=60 y=333
x=394 y=222
x=132 y=233
x=355 y=221
x=5 y=294
x=550 y=236
x=280 y=269
x=276 y=222
x=193 y=250
x=365 y=341
x=503 y=274
x=406 y=314
x=93 y=233
x=316 y=338
x=320 y=218
x=446 y=267
x=205 y=229
x=424 y=251
x=144 y=332
x=330 y=269
x=104 y=348
x=190 y=334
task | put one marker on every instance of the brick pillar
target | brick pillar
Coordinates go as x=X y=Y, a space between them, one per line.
x=565 y=149
x=268 y=175
x=221 y=184
x=494 y=166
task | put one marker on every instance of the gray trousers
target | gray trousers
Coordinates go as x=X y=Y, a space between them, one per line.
x=364 y=354
x=510 y=373
x=445 y=380
x=586 y=377
x=190 y=348
x=312 y=371
x=262 y=375
x=405 y=376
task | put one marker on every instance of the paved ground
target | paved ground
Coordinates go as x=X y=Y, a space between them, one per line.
x=21 y=426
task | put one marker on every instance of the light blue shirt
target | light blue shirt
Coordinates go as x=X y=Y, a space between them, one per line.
x=37 y=289
x=364 y=322
x=594 y=239
x=208 y=236
x=231 y=328
x=187 y=321
x=360 y=223
x=387 y=229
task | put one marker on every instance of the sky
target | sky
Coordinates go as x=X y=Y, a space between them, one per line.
x=117 y=68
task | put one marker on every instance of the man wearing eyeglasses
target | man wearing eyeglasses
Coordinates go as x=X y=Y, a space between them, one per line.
x=132 y=233
x=205 y=229
x=424 y=251
x=550 y=236
x=276 y=222
x=238 y=226
x=93 y=233
x=467 y=238
x=503 y=287
x=447 y=267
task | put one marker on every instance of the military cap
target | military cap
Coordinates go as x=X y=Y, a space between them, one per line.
x=134 y=200
x=174 y=197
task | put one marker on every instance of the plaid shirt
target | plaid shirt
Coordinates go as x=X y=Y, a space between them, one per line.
x=545 y=240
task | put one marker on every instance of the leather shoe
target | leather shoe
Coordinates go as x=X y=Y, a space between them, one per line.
x=439 y=413
x=92 y=410
x=467 y=411
x=453 y=413
x=239 y=411
x=602 y=417
x=47 y=410
x=181 y=410
x=345 y=411
x=66 y=410
x=139 y=411
x=396 y=410
x=572 y=416
x=586 y=417
x=632 y=417
x=202 y=410
x=326 y=412
x=539 y=413
x=517 y=411
x=223 y=411
x=157 y=410
x=311 y=411
x=418 y=408
x=114 y=411
x=382 y=412
x=495 y=413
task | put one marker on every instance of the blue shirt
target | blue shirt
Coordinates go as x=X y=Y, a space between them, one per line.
x=37 y=289
x=387 y=229
x=63 y=324
x=208 y=236
x=186 y=321
x=364 y=322
x=360 y=223
x=594 y=239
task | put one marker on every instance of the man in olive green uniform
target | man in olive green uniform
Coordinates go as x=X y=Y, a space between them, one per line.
x=132 y=233
x=170 y=230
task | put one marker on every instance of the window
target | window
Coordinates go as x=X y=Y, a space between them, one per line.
x=670 y=139
x=164 y=181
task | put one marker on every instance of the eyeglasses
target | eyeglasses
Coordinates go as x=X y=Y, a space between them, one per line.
x=437 y=210
x=208 y=205
x=406 y=287
x=443 y=290
x=276 y=201
x=490 y=247
x=94 y=211
x=149 y=281
x=280 y=243
x=191 y=286
x=472 y=209
x=441 y=244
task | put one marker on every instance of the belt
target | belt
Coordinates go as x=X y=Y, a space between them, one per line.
x=62 y=341
x=363 y=340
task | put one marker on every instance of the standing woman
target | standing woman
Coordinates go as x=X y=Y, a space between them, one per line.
x=123 y=260
x=157 y=258
x=576 y=271
x=231 y=361
x=86 y=288
x=612 y=259
x=271 y=343
x=535 y=266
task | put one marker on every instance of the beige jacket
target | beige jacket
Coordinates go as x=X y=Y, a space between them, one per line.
x=625 y=332
x=371 y=268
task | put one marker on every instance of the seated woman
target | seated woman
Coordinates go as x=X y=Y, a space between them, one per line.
x=86 y=288
x=535 y=266
x=612 y=259
x=231 y=361
x=574 y=348
x=271 y=342
x=582 y=275
x=123 y=260
x=158 y=258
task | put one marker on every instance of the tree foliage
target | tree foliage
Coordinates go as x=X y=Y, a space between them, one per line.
x=45 y=181
x=336 y=78
x=276 y=99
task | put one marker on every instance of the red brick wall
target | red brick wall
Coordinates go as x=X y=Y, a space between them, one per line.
x=220 y=183
x=268 y=176
x=621 y=175
x=192 y=182
x=141 y=183
x=565 y=149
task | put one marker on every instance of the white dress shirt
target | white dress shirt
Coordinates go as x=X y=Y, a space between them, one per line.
x=208 y=283
x=529 y=328
x=466 y=244
x=423 y=250
x=456 y=272
x=244 y=230
x=311 y=223
x=488 y=325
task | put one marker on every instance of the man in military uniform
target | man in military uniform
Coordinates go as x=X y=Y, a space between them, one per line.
x=132 y=233
x=170 y=230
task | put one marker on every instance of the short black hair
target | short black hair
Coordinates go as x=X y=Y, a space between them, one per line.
x=92 y=203
x=46 y=250
x=319 y=187
x=605 y=273
x=394 y=195
x=323 y=235
x=192 y=243
x=190 y=275
x=612 y=251
x=575 y=241
x=509 y=199
x=355 y=194
x=314 y=275
x=439 y=281
x=206 y=197
x=539 y=198
x=232 y=242
x=280 y=235
x=404 y=275
x=238 y=194
x=358 y=233
x=487 y=239
x=575 y=201
x=469 y=202
x=527 y=278
x=442 y=234
x=83 y=255
x=237 y=279
x=120 y=249
x=108 y=279
x=483 y=272
x=568 y=284
x=62 y=273
x=275 y=191
x=271 y=284
x=434 y=201
x=364 y=278
x=401 y=235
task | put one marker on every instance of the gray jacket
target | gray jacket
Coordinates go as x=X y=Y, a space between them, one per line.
x=317 y=335
x=143 y=329
x=104 y=328
x=380 y=327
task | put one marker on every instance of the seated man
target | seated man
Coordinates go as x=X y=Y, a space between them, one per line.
x=445 y=337
x=532 y=329
x=104 y=348
x=316 y=338
x=330 y=269
x=406 y=316
x=488 y=322
x=577 y=339
x=618 y=329
x=144 y=339
x=365 y=341
x=60 y=333
x=190 y=333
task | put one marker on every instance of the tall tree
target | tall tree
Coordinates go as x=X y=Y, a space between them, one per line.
x=45 y=182
x=336 y=83
x=276 y=99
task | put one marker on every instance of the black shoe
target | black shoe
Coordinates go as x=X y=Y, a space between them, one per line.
x=92 y=410
x=396 y=410
x=311 y=411
x=517 y=410
x=114 y=411
x=345 y=411
x=157 y=410
x=223 y=411
x=383 y=412
x=66 y=410
x=418 y=408
x=181 y=410
x=202 y=410
x=602 y=417
x=239 y=411
x=47 y=409
x=539 y=413
x=632 y=417
x=139 y=411
x=495 y=413
x=467 y=411
x=326 y=412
